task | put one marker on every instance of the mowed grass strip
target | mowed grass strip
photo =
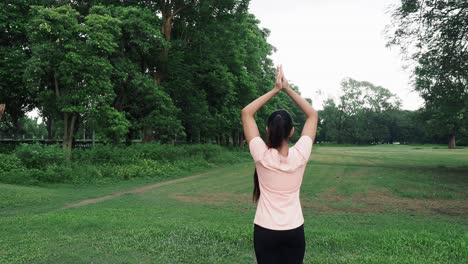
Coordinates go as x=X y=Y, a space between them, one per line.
x=361 y=205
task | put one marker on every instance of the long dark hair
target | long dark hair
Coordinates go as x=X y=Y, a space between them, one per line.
x=279 y=126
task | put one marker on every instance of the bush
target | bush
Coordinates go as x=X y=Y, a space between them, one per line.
x=159 y=152
x=22 y=176
x=73 y=173
x=40 y=156
x=154 y=151
x=32 y=164
x=9 y=162
x=104 y=155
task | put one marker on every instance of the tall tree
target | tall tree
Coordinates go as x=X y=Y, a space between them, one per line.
x=434 y=34
x=14 y=53
x=145 y=103
x=69 y=63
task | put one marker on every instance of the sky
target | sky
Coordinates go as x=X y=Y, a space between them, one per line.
x=320 y=42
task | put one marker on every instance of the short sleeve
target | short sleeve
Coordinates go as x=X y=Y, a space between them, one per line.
x=304 y=146
x=257 y=148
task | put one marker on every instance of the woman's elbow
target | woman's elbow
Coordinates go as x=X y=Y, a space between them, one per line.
x=245 y=112
x=312 y=113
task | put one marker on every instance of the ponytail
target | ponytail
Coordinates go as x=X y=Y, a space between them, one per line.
x=276 y=132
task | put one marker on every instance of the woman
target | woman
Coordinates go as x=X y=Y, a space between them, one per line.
x=279 y=223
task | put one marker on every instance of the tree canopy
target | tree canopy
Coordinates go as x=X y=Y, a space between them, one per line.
x=153 y=70
x=434 y=36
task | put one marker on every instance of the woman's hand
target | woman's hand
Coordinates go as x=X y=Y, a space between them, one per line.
x=278 y=79
x=284 y=81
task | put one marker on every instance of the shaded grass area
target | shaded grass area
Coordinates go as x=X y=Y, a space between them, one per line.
x=358 y=208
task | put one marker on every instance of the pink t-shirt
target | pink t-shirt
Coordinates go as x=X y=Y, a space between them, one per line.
x=280 y=178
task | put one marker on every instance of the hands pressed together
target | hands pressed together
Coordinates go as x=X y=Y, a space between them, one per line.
x=280 y=81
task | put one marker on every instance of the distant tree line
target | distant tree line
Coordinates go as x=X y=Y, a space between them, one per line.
x=369 y=114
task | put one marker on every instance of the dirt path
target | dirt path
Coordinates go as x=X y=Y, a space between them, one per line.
x=138 y=190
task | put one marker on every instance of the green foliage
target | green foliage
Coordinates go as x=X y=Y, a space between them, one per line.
x=39 y=156
x=433 y=35
x=112 y=123
x=29 y=128
x=22 y=176
x=10 y=162
x=127 y=70
x=13 y=60
x=34 y=164
x=365 y=114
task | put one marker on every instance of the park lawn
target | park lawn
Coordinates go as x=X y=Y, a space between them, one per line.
x=375 y=204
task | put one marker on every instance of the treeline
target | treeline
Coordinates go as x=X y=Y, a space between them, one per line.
x=150 y=70
x=181 y=70
x=369 y=114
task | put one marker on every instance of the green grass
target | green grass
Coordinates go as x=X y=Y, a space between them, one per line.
x=375 y=204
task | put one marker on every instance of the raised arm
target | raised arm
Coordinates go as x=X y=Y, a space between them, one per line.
x=248 y=122
x=310 y=126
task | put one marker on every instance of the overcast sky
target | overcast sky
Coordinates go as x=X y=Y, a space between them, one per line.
x=320 y=42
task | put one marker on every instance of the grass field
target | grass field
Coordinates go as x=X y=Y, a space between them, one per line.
x=376 y=204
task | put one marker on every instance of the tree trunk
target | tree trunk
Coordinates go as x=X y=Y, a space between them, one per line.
x=160 y=71
x=241 y=138
x=120 y=99
x=49 y=124
x=452 y=144
x=130 y=137
x=2 y=110
x=68 y=132
x=235 y=139
x=18 y=128
x=116 y=140
x=168 y=11
x=147 y=135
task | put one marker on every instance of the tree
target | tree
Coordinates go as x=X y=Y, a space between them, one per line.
x=69 y=63
x=433 y=34
x=143 y=101
x=331 y=122
x=14 y=54
x=217 y=64
x=361 y=115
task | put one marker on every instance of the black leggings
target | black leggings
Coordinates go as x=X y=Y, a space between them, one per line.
x=279 y=246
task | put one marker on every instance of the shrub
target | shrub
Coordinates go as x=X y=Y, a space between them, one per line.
x=32 y=164
x=22 y=176
x=40 y=156
x=104 y=154
x=159 y=152
x=9 y=162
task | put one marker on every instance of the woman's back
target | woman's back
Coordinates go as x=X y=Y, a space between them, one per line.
x=278 y=229
x=280 y=180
